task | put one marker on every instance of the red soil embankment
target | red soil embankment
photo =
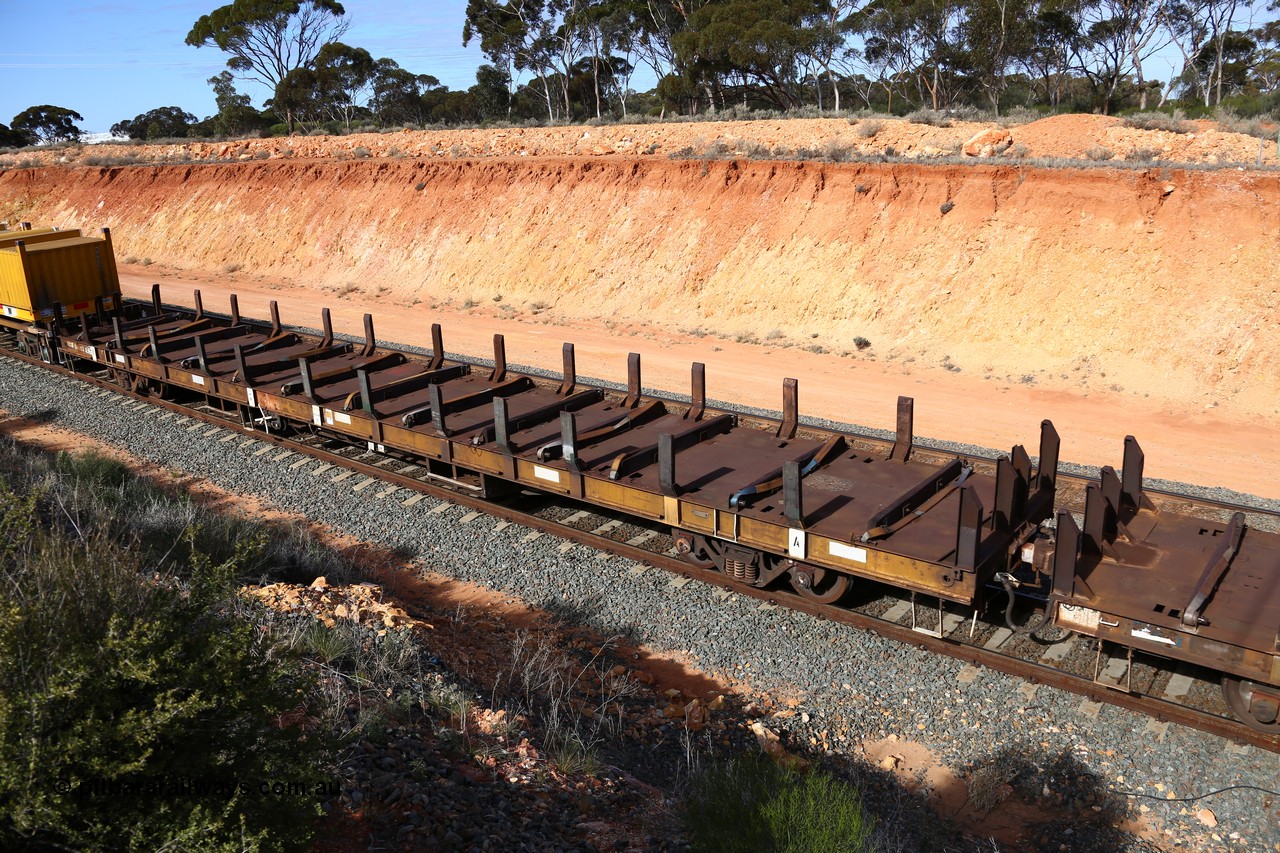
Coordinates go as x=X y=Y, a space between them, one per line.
x=1158 y=282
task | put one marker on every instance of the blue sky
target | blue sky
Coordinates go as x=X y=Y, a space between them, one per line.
x=113 y=60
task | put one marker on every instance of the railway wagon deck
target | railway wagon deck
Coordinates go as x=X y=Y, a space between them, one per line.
x=760 y=504
x=1202 y=591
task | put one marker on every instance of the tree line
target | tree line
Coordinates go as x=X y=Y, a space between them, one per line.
x=568 y=60
x=889 y=55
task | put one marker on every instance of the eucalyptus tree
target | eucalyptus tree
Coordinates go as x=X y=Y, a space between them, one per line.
x=997 y=34
x=346 y=77
x=47 y=123
x=1184 y=22
x=1114 y=38
x=657 y=24
x=888 y=52
x=10 y=138
x=491 y=94
x=236 y=114
x=1219 y=18
x=566 y=44
x=156 y=124
x=759 y=44
x=299 y=97
x=516 y=35
x=1054 y=32
x=915 y=40
x=400 y=97
x=609 y=38
x=1265 y=69
x=269 y=38
x=833 y=22
x=1229 y=64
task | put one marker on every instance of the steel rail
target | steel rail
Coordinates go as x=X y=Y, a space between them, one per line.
x=1032 y=671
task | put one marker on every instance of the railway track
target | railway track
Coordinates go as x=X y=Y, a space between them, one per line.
x=1168 y=693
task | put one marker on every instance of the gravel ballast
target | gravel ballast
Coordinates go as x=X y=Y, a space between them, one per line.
x=852 y=686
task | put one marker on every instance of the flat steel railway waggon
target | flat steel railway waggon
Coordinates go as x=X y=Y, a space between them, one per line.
x=763 y=502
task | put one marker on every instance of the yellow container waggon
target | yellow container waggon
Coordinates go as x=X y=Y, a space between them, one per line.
x=41 y=268
x=30 y=236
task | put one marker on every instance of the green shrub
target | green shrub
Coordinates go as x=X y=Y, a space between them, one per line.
x=127 y=160
x=95 y=494
x=836 y=152
x=716 y=150
x=753 y=805
x=334 y=647
x=1175 y=123
x=135 y=711
x=1262 y=126
x=933 y=118
x=572 y=755
x=93 y=470
x=1020 y=115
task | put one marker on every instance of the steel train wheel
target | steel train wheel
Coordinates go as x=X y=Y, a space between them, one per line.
x=1251 y=705
x=697 y=553
x=151 y=388
x=819 y=585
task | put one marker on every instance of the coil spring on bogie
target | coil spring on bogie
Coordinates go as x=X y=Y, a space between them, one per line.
x=737 y=569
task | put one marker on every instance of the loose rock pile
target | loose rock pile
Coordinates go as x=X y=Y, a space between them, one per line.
x=1070 y=136
x=361 y=604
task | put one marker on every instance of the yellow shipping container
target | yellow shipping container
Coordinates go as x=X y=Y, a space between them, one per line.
x=37 y=235
x=73 y=271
